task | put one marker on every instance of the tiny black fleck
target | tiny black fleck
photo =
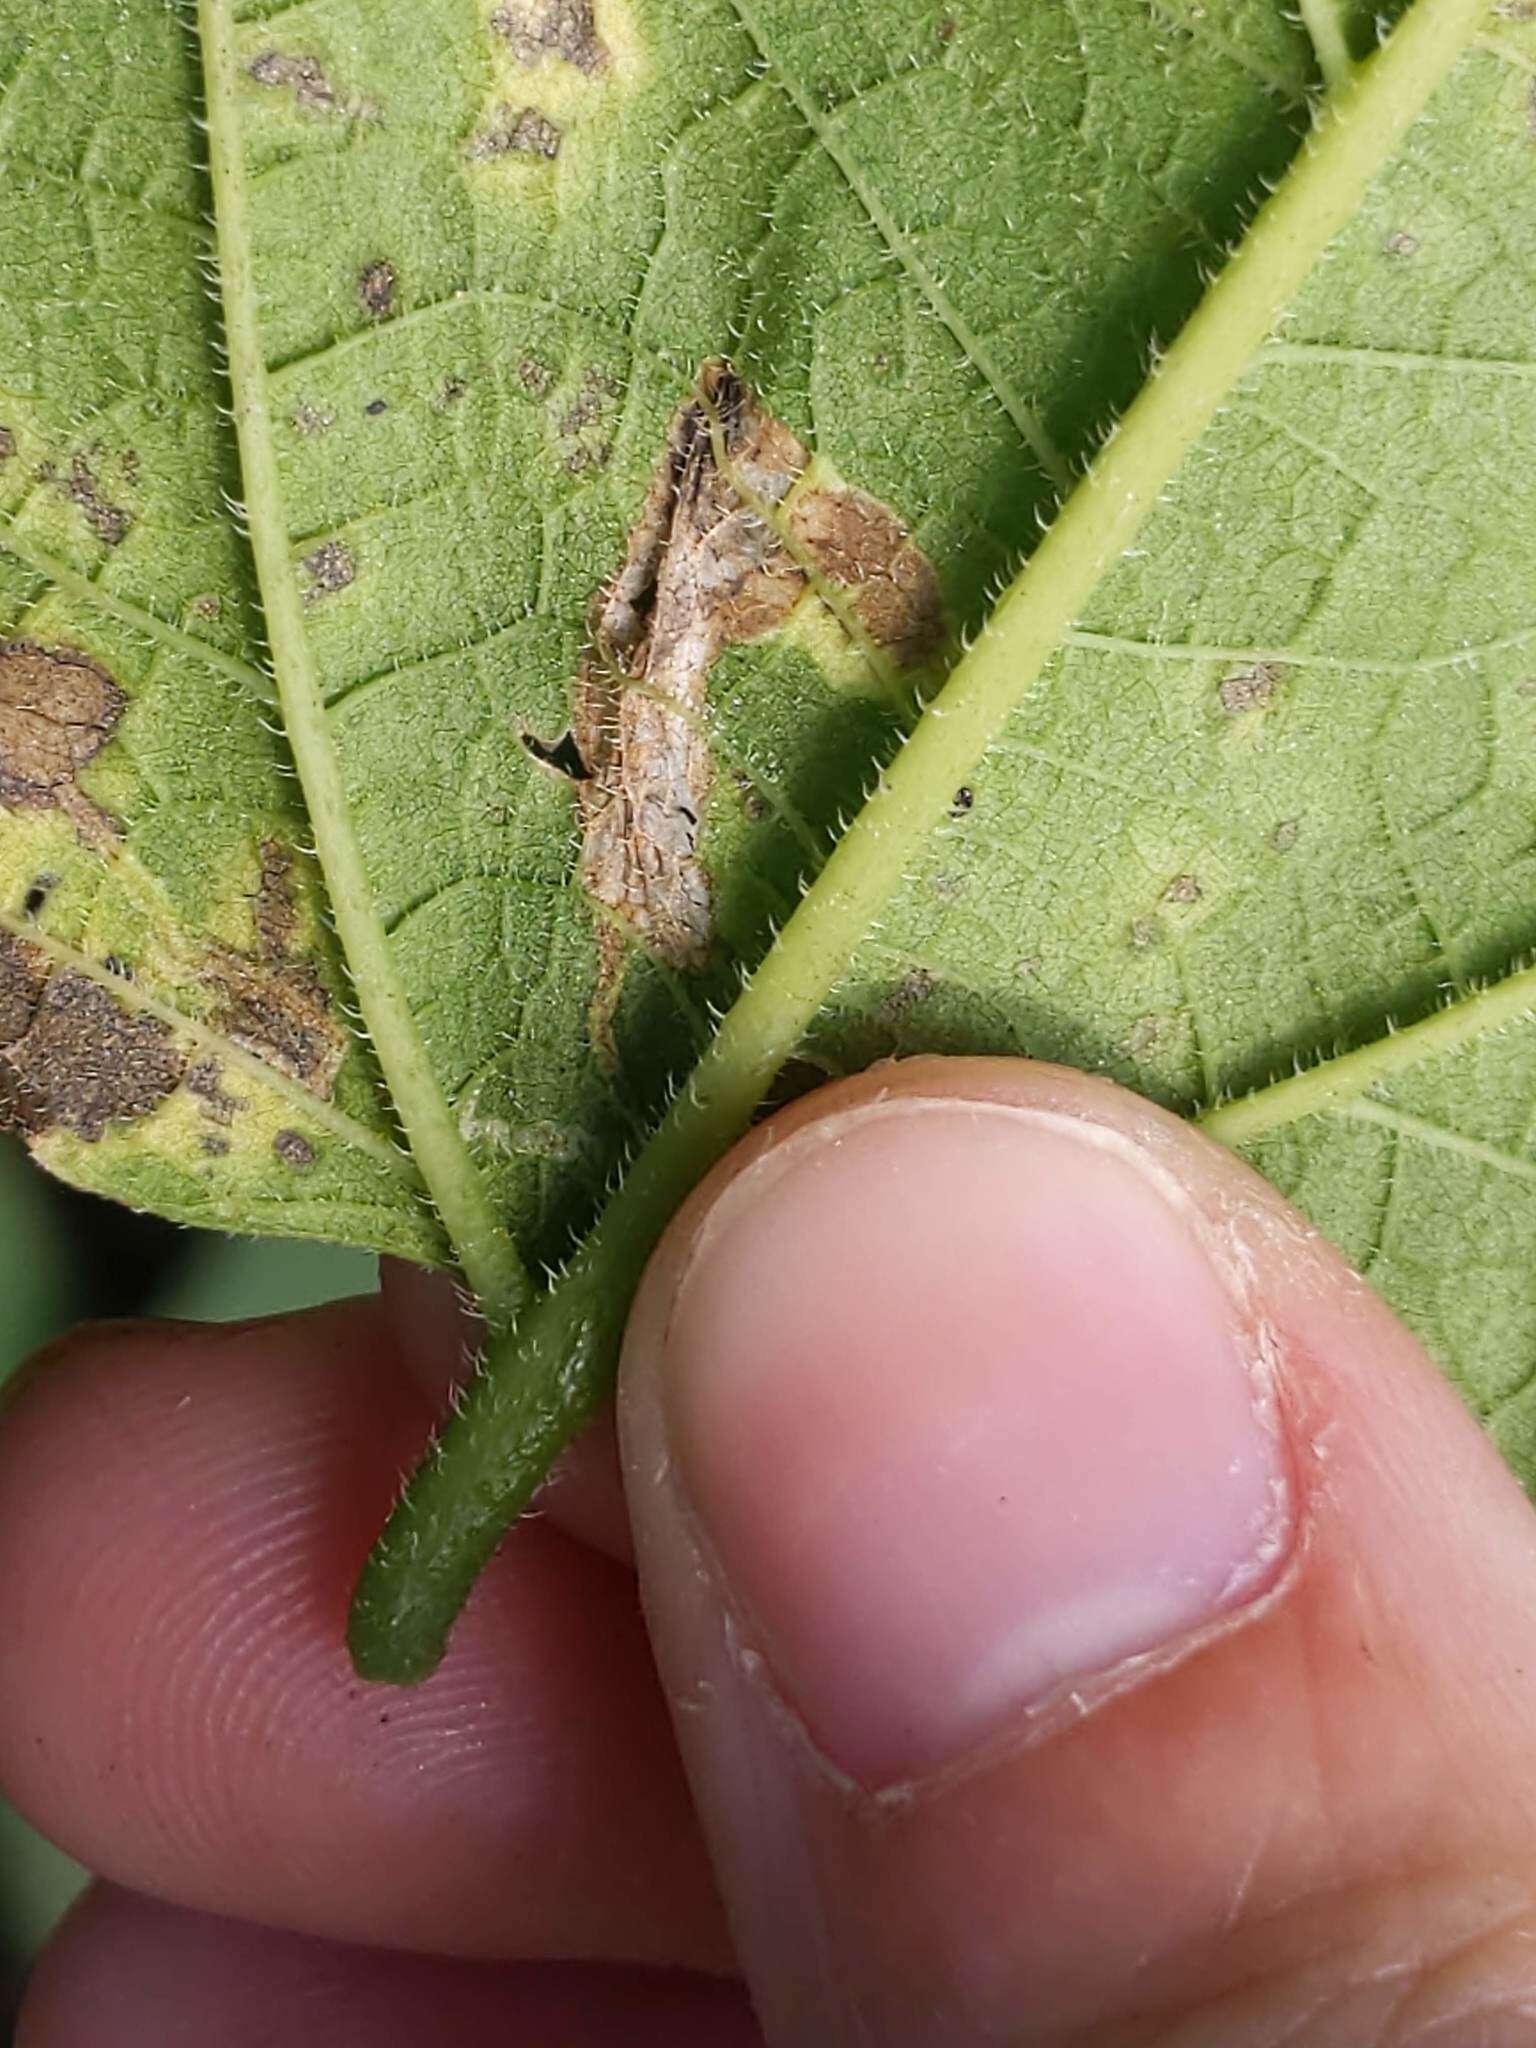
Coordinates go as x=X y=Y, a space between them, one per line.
x=962 y=801
x=37 y=895
x=563 y=755
x=375 y=406
x=115 y=964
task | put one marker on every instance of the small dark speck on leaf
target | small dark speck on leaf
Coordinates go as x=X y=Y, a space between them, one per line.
x=7 y=444
x=453 y=389
x=294 y=1149
x=1183 y=889
x=313 y=419
x=375 y=406
x=213 y=1144
x=961 y=802
x=37 y=895
x=376 y=288
x=115 y=964
x=1284 y=836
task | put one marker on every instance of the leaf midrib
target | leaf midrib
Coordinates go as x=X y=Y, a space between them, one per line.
x=456 y=1187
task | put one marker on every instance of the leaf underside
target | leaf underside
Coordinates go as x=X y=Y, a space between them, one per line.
x=323 y=443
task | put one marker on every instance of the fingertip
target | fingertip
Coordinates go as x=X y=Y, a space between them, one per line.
x=183 y=1512
x=1068 y=1577
x=128 y=1972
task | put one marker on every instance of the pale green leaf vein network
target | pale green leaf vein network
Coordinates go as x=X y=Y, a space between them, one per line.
x=974 y=347
x=149 y=623
x=1406 y=1125
x=1349 y=1078
x=479 y=1472
x=482 y=1246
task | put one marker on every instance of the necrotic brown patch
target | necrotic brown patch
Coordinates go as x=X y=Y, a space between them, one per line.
x=703 y=568
x=518 y=131
x=58 y=709
x=722 y=551
x=537 y=29
x=273 y=909
x=330 y=568
x=281 y=1014
x=80 y=1060
x=109 y=522
x=860 y=544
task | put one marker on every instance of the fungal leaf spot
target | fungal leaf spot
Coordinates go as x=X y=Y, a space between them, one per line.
x=72 y=1056
x=58 y=709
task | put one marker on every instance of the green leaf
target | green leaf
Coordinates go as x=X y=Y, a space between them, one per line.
x=635 y=410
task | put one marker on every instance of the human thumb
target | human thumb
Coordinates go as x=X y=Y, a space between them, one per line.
x=1086 y=1615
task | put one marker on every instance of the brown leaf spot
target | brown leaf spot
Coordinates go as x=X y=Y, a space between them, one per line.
x=535 y=376
x=281 y=1014
x=329 y=568
x=57 y=711
x=1285 y=835
x=294 y=1149
x=302 y=76
x=1249 y=689
x=272 y=906
x=83 y=1061
x=703 y=568
x=376 y=288
x=24 y=972
x=7 y=444
x=859 y=543
x=109 y=522
x=1183 y=889
x=517 y=131
x=537 y=29
x=205 y=1080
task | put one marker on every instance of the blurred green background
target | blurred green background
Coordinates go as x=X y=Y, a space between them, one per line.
x=64 y=1257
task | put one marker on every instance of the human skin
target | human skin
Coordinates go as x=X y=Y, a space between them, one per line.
x=1070 y=1609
